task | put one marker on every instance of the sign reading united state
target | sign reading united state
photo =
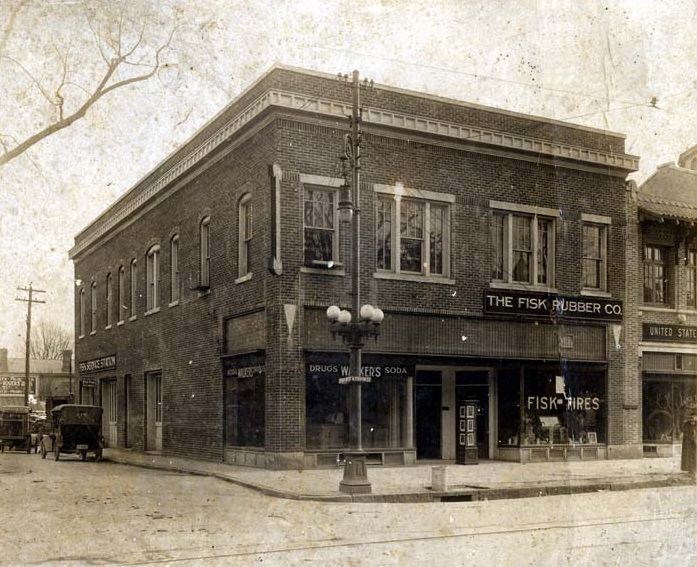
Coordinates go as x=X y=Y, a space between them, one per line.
x=552 y=305
x=97 y=364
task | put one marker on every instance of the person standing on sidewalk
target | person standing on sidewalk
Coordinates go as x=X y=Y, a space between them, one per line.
x=688 y=461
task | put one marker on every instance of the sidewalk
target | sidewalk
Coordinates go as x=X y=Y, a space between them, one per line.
x=489 y=480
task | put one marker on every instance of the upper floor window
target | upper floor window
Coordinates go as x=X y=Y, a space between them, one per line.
x=205 y=252
x=594 y=252
x=655 y=274
x=413 y=231
x=82 y=314
x=93 y=304
x=691 y=269
x=121 y=293
x=321 y=226
x=133 y=295
x=174 y=269
x=109 y=300
x=244 y=236
x=523 y=244
x=152 y=278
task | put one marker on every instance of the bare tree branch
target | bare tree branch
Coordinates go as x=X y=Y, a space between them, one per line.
x=104 y=86
x=33 y=79
x=49 y=340
x=10 y=24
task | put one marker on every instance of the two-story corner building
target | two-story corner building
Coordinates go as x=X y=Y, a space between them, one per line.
x=667 y=270
x=493 y=241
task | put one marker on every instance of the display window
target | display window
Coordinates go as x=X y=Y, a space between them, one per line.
x=563 y=407
x=667 y=402
x=383 y=402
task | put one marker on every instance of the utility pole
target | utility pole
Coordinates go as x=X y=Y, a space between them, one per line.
x=29 y=300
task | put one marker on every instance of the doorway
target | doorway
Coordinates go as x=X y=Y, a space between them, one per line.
x=474 y=385
x=153 y=411
x=109 y=415
x=428 y=392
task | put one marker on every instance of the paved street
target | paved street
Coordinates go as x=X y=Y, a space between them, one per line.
x=73 y=513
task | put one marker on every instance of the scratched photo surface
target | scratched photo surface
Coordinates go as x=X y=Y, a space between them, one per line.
x=370 y=283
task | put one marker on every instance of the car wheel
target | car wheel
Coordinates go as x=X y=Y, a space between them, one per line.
x=83 y=455
x=98 y=455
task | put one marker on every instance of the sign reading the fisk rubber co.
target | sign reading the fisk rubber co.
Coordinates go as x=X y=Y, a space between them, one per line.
x=552 y=305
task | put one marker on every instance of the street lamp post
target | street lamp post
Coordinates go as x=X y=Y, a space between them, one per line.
x=362 y=322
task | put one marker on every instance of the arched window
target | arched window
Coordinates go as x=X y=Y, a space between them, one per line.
x=109 y=300
x=174 y=268
x=93 y=304
x=244 y=235
x=121 y=294
x=133 y=295
x=205 y=246
x=152 y=278
x=82 y=314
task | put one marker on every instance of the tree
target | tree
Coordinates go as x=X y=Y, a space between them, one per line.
x=128 y=46
x=49 y=340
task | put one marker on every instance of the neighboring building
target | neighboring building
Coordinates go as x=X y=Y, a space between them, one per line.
x=667 y=258
x=47 y=379
x=493 y=241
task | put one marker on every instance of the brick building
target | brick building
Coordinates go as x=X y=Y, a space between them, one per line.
x=48 y=379
x=493 y=241
x=666 y=206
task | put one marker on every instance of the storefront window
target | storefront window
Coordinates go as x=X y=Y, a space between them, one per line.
x=508 y=394
x=666 y=404
x=384 y=404
x=245 y=400
x=563 y=407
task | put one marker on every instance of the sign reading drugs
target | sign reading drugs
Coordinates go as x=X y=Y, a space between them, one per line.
x=98 y=364
x=552 y=305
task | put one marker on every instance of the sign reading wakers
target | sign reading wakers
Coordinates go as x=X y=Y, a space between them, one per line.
x=97 y=364
x=552 y=305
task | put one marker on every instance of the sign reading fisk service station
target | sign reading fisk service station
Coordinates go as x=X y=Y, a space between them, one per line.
x=552 y=305
x=98 y=364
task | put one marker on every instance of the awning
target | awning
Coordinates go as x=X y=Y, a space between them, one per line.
x=666 y=210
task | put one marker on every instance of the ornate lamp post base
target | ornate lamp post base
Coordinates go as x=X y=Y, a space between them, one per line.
x=355 y=479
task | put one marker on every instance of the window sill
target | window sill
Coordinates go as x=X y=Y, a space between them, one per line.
x=93 y=333
x=323 y=271
x=133 y=318
x=173 y=303
x=107 y=328
x=120 y=323
x=657 y=309
x=204 y=292
x=523 y=287
x=244 y=278
x=413 y=278
x=595 y=293
x=81 y=337
x=152 y=311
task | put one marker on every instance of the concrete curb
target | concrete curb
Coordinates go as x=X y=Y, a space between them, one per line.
x=471 y=495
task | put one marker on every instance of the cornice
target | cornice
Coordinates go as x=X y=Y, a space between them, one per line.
x=275 y=98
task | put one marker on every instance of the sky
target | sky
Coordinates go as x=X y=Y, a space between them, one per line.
x=627 y=66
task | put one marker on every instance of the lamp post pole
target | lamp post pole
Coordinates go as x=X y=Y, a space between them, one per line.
x=363 y=321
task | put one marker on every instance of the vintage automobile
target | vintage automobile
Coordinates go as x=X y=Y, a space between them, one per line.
x=14 y=428
x=76 y=429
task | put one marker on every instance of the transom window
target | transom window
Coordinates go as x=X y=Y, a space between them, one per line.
x=152 y=277
x=655 y=274
x=320 y=221
x=421 y=245
x=523 y=246
x=594 y=256
x=245 y=235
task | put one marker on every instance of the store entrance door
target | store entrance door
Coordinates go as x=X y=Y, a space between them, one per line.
x=427 y=412
x=474 y=385
x=153 y=402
